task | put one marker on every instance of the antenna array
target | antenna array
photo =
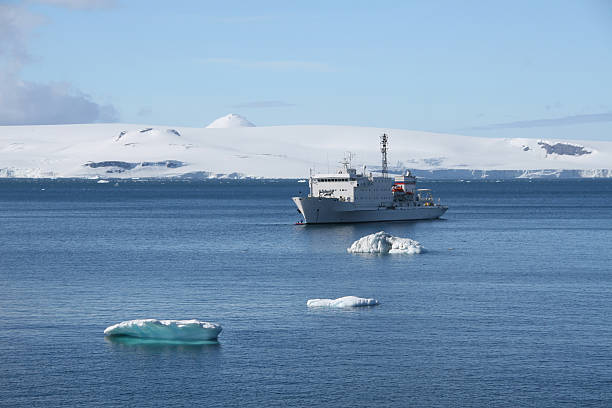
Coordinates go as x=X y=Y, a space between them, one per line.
x=383 y=149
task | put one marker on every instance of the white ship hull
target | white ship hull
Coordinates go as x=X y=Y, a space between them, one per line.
x=328 y=210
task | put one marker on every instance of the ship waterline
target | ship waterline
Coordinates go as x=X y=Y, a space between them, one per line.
x=325 y=211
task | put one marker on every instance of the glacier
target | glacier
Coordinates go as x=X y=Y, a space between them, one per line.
x=233 y=149
x=346 y=301
x=383 y=243
x=181 y=330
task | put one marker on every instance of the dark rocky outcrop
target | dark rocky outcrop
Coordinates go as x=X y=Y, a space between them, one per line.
x=564 y=149
x=115 y=166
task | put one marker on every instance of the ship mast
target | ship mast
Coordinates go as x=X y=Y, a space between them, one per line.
x=348 y=159
x=383 y=149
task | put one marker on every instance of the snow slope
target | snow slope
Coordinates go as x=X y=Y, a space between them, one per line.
x=129 y=150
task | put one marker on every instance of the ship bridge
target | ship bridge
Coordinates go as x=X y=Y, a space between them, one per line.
x=334 y=185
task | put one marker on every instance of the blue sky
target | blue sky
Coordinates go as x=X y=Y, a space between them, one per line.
x=503 y=69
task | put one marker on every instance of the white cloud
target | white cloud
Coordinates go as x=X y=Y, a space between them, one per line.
x=30 y=103
x=16 y=23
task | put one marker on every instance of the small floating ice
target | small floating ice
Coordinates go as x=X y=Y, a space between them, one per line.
x=346 y=301
x=382 y=243
x=103 y=181
x=183 y=330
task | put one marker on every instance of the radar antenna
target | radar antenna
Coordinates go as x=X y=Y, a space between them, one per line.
x=383 y=149
x=348 y=159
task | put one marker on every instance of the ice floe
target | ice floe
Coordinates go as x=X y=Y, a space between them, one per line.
x=382 y=243
x=346 y=301
x=183 y=330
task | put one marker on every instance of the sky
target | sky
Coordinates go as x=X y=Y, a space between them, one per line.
x=497 y=69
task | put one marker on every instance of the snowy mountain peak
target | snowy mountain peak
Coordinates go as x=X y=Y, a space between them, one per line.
x=145 y=134
x=232 y=120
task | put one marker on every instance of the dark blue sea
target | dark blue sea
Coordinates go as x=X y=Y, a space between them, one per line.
x=511 y=304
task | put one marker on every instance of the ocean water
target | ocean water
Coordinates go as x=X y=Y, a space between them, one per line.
x=511 y=305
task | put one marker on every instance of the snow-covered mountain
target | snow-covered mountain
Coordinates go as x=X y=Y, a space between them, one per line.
x=122 y=151
x=232 y=120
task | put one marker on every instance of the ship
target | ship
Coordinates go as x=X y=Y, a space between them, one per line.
x=349 y=197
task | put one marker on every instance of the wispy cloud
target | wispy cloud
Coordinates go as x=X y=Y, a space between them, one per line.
x=263 y=104
x=16 y=24
x=79 y=4
x=145 y=111
x=245 y=19
x=280 y=65
x=562 y=121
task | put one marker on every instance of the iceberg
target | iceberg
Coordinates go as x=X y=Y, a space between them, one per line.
x=346 y=301
x=180 y=330
x=382 y=243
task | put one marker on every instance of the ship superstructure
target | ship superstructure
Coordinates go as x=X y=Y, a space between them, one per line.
x=349 y=196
